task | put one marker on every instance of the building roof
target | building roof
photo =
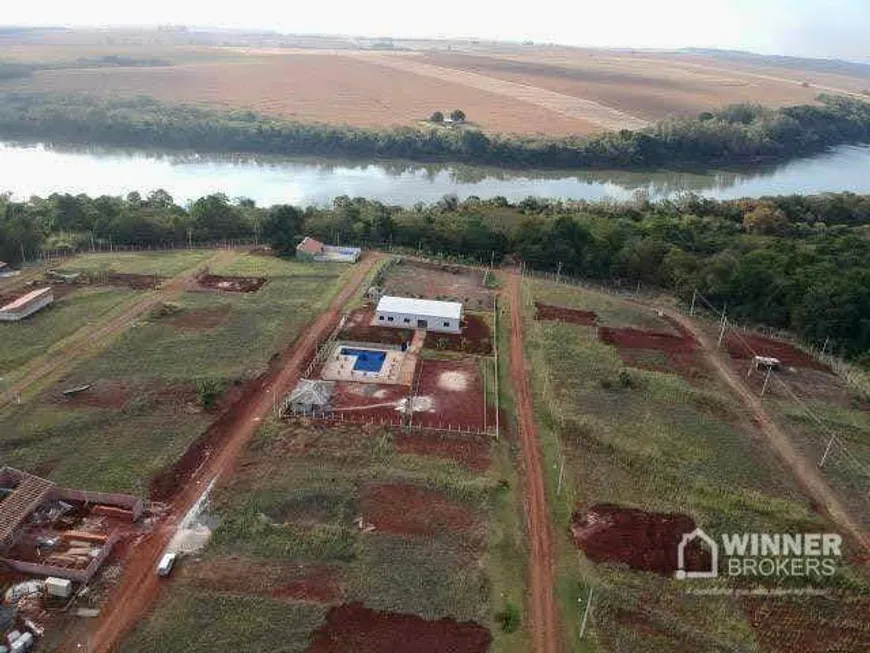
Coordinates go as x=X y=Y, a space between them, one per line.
x=24 y=300
x=310 y=391
x=310 y=246
x=425 y=307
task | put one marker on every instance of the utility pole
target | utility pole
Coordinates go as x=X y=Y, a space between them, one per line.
x=561 y=473
x=827 y=451
x=692 y=308
x=722 y=331
x=766 y=379
x=585 y=613
x=559 y=272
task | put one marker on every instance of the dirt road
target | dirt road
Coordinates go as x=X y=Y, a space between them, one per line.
x=542 y=605
x=139 y=586
x=88 y=339
x=806 y=472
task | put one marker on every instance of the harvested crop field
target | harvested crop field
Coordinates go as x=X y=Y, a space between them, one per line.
x=324 y=88
x=645 y=541
x=450 y=283
x=353 y=627
x=470 y=451
x=411 y=510
x=746 y=345
x=562 y=314
x=231 y=284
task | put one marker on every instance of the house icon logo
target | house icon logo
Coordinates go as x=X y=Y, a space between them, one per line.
x=705 y=541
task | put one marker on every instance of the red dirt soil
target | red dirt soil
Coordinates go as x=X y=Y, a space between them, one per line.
x=134 y=281
x=139 y=586
x=470 y=451
x=543 y=619
x=411 y=510
x=102 y=394
x=814 y=625
x=454 y=407
x=354 y=398
x=562 y=314
x=231 y=284
x=476 y=337
x=743 y=345
x=646 y=541
x=360 y=329
x=353 y=627
x=628 y=338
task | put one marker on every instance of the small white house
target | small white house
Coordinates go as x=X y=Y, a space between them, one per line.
x=410 y=313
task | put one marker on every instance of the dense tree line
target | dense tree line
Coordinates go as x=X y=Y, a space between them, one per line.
x=795 y=262
x=737 y=134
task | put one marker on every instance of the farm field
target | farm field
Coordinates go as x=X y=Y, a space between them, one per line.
x=164 y=379
x=336 y=536
x=654 y=445
x=502 y=88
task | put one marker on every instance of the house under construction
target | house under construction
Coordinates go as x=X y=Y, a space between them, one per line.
x=46 y=530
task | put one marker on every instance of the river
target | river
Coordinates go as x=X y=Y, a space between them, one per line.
x=28 y=169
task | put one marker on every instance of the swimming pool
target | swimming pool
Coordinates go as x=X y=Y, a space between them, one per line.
x=367 y=360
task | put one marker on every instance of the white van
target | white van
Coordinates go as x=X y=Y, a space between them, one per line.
x=167 y=562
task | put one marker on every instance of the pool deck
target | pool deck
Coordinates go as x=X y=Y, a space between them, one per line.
x=339 y=367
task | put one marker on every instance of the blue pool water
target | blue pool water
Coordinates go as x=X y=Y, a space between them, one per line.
x=366 y=360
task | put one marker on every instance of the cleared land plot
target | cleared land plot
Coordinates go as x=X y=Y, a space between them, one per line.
x=402 y=534
x=444 y=282
x=652 y=442
x=160 y=383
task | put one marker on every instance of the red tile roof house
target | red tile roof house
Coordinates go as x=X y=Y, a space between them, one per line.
x=26 y=305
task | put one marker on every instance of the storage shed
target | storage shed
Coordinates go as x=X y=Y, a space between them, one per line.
x=26 y=305
x=313 y=250
x=411 y=313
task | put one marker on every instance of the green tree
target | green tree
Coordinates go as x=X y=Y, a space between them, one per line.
x=457 y=115
x=281 y=228
x=437 y=117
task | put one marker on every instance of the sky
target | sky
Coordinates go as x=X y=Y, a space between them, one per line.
x=814 y=28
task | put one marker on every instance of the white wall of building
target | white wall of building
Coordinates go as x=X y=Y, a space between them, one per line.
x=414 y=321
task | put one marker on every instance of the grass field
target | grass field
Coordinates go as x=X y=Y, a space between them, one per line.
x=658 y=442
x=506 y=88
x=21 y=342
x=164 y=264
x=147 y=401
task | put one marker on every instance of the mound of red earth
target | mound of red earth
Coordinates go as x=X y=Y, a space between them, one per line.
x=747 y=345
x=470 y=451
x=353 y=627
x=411 y=510
x=646 y=541
x=231 y=284
x=562 y=314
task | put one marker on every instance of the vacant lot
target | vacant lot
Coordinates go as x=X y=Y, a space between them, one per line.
x=444 y=282
x=163 y=380
x=637 y=440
